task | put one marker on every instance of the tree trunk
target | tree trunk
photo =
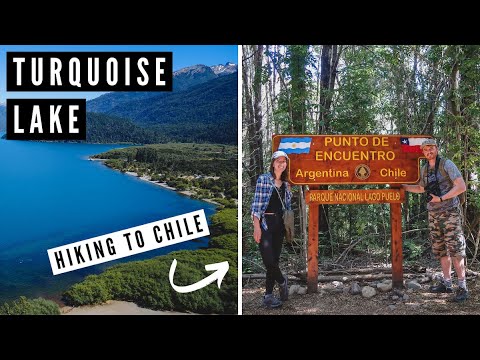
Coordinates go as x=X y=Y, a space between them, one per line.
x=298 y=65
x=249 y=121
x=257 y=109
x=325 y=75
x=326 y=91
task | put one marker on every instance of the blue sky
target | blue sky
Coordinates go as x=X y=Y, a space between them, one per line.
x=183 y=55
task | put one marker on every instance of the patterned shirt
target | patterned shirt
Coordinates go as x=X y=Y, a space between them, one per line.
x=263 y=192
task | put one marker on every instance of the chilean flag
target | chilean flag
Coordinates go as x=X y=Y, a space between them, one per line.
x=412 y=145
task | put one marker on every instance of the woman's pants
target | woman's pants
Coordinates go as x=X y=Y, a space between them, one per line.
x=270 y=248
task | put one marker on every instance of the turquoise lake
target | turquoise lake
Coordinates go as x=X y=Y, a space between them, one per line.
x=52 y=195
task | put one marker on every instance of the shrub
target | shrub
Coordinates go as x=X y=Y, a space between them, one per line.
x=227 y=203
x=147 y=284
x=227 y=242
x=224 y=222
x=24 y=306
x=93 y=290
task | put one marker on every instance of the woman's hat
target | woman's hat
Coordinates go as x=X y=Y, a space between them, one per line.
x=279 y=153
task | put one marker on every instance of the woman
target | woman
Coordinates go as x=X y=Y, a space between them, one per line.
x=272 y=196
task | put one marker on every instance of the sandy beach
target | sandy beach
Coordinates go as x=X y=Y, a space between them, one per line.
x=164 y=185
x=114 y=307
x=147 y=178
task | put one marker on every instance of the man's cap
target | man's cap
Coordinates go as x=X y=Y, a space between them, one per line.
x=428 y=142
x=279 y=153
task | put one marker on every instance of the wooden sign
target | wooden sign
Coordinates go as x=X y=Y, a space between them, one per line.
x=352 y=159
x=370 y=196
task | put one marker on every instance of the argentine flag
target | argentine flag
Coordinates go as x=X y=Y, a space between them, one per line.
x=295 y=145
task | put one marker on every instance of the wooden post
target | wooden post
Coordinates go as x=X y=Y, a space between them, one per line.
x=314 y=198
x=397 y=255
x=312 y=253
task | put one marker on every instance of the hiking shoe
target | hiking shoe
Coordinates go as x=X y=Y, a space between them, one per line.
x=441 y=288
x=271 y=302
x=461 y=295
x=283 y=290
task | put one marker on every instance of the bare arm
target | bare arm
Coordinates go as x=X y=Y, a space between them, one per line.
x=458 y=188
x=414 y=188
x=257 y=232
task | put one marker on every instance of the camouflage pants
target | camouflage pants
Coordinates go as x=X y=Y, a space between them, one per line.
x=446 y=233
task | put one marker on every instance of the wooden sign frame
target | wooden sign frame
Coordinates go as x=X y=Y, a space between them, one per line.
x=351 y=159
x=394 y=196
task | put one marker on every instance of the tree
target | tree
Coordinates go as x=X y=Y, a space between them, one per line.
x=253 y=114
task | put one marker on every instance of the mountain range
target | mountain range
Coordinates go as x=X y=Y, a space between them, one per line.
x=182 y=80
x=228 y=68
x=201 y=108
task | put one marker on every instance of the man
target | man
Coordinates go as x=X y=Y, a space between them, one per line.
x=444 y=218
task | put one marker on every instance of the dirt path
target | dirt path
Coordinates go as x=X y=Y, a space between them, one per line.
x=418 y=302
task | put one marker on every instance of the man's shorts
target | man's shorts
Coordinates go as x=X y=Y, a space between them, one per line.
x=446 y=233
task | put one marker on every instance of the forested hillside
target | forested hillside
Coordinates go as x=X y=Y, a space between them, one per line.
x=103 y=128
x=203 y=113
x=211 y=102
x=182 y=80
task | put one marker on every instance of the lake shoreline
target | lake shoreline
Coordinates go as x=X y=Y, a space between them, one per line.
x=74 y=198
x=161 y=184
x=115 y=307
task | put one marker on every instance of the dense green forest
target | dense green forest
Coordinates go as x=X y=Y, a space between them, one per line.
x=356 y=89
x=24 y=306
x=207 y=170
x=210 y=102
x=146 y=282
x=108 y=129
x=182 y=80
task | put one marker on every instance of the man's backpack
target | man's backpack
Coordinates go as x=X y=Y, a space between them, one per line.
x=440 y=165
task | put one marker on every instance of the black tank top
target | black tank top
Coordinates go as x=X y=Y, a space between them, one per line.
x=274 y=205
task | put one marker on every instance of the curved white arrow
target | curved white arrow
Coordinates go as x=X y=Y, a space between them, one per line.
x=220 y=272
